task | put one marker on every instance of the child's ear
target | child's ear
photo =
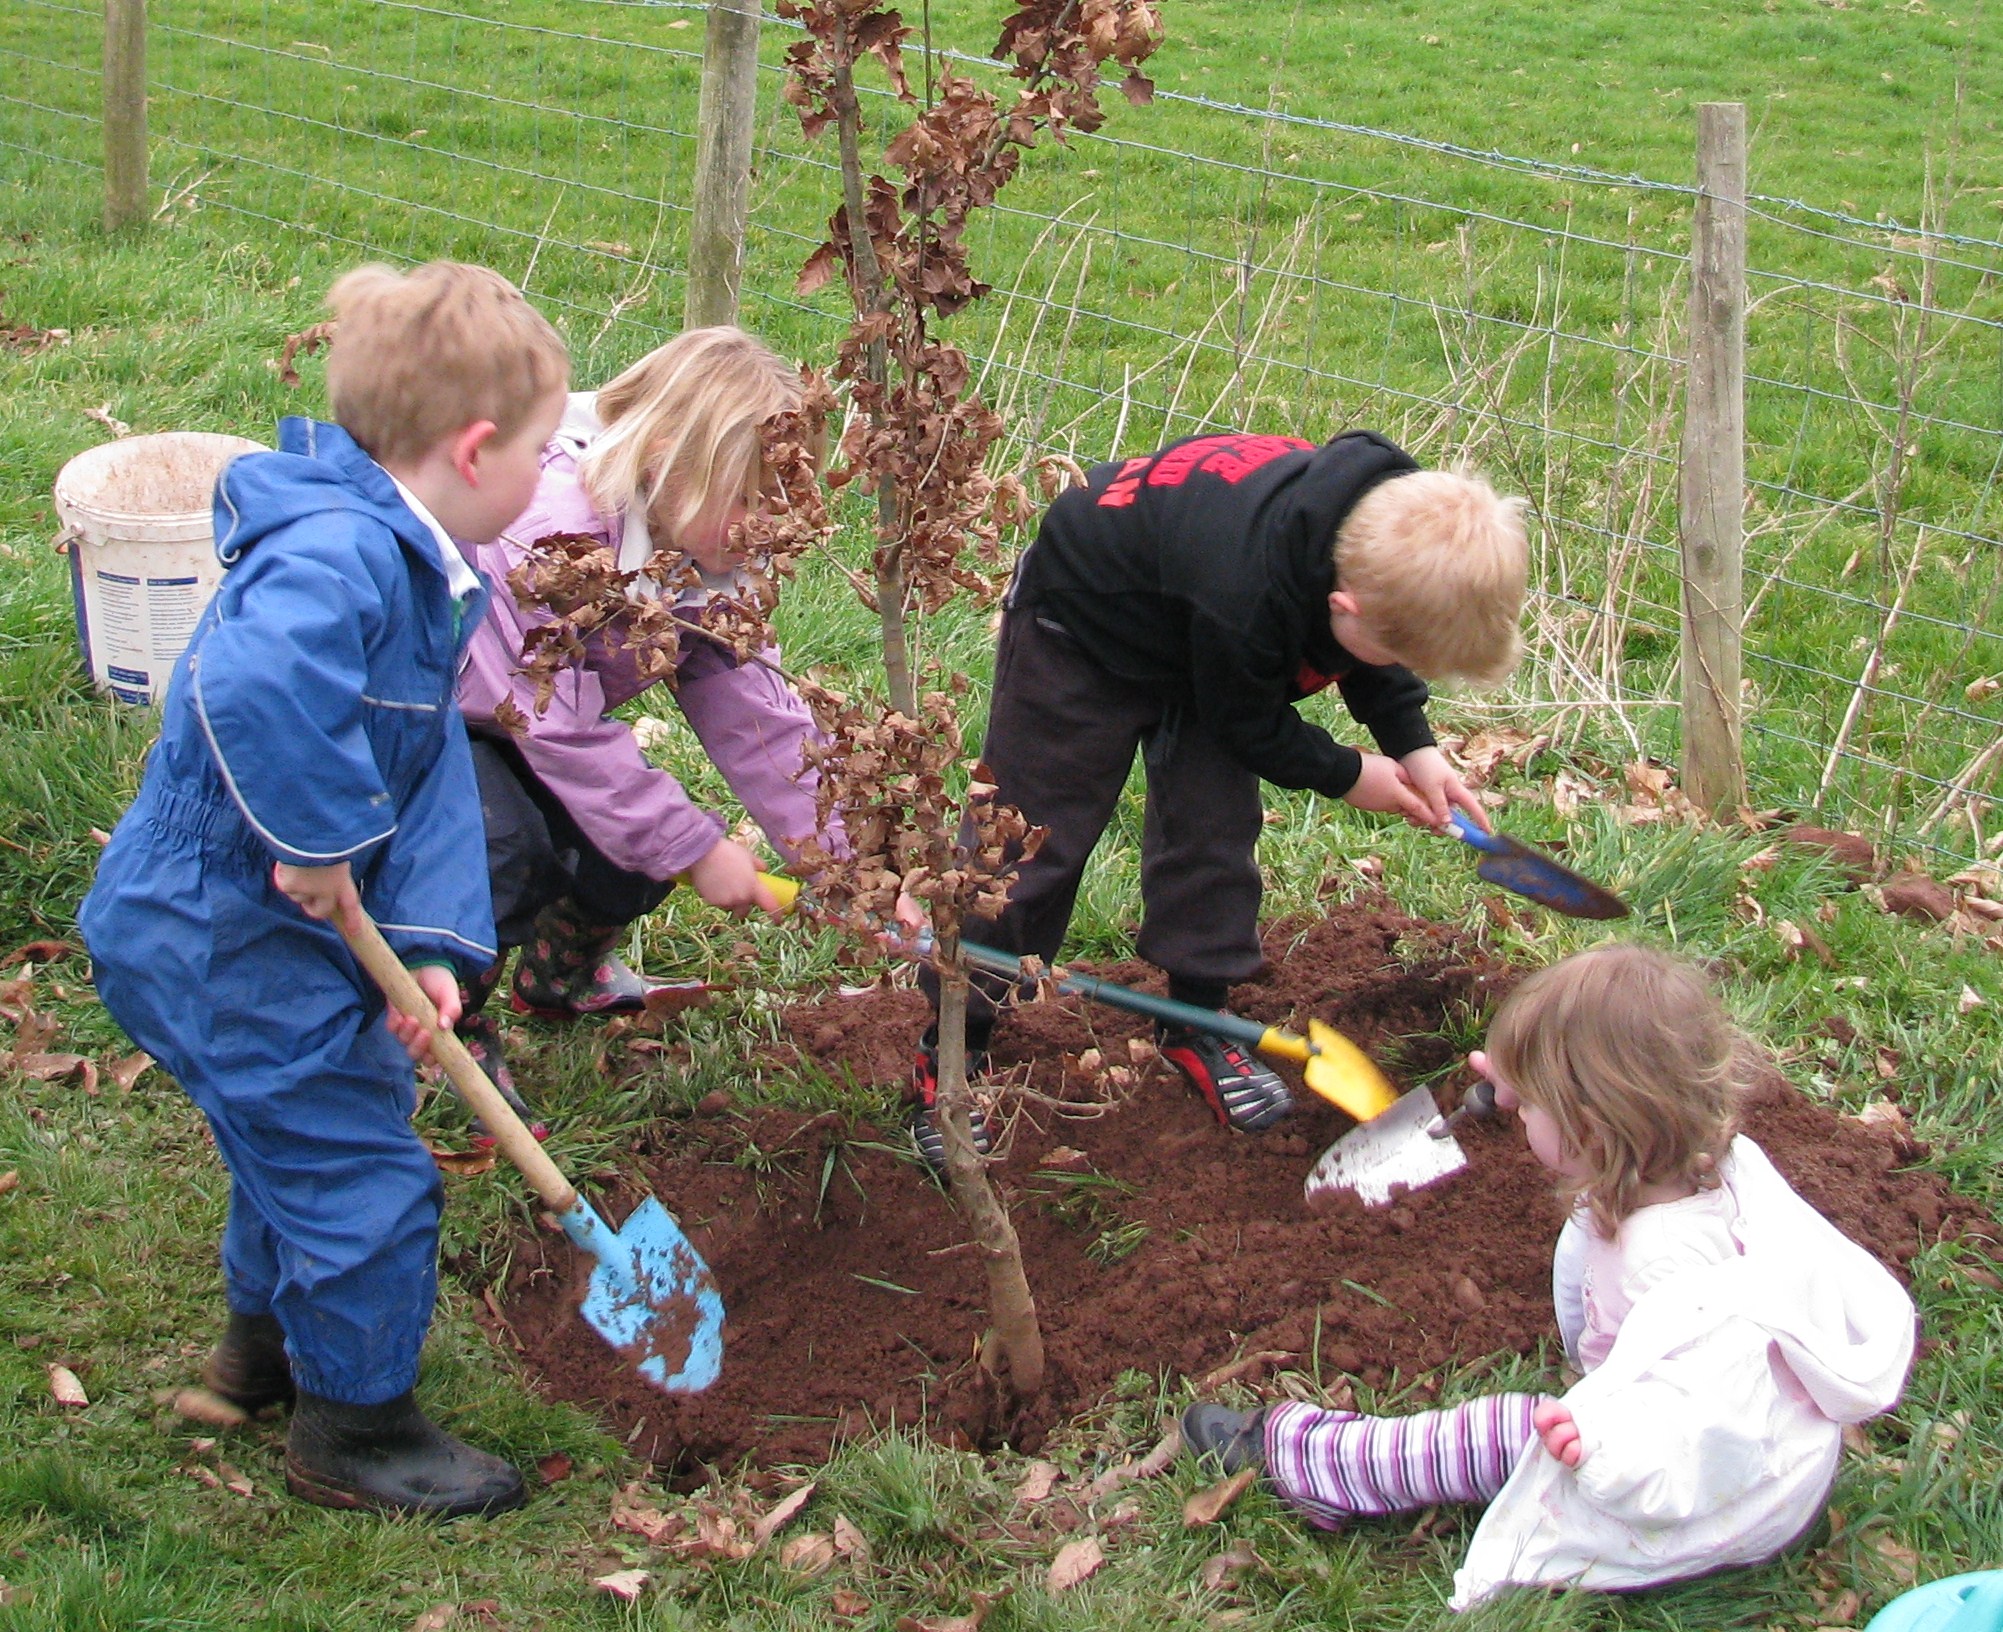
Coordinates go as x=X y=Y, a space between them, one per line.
x=1343 y=602
x=467 y=447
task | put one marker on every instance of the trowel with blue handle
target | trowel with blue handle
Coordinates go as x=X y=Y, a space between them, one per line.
x=1517 y=867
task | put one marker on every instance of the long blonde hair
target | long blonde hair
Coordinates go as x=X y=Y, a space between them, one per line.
x=1632 y=1055
x=681 y=428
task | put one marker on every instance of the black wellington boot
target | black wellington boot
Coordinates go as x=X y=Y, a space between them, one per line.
x=391 y=1458
x=248 y=1367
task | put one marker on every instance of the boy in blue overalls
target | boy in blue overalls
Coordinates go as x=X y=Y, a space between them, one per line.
x=312 y=762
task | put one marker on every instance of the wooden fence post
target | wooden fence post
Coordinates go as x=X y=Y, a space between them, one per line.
x=1712 y=497
x=125 y=200
x=722 y=162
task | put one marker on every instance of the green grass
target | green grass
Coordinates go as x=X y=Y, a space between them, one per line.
x=107 y=1245
x=1294 y=277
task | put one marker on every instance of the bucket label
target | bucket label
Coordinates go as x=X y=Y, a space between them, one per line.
x=121 y=616
x=175 y=607
x=130 y=685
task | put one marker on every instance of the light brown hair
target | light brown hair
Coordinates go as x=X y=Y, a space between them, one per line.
x=1632 y=1055
x=420 y=355
x=681 y=428
x=1438 y=565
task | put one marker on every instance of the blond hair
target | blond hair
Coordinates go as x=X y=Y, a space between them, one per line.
x=1437 y=563
x=681 y=428
x=418 y=356
x=1632 y=1055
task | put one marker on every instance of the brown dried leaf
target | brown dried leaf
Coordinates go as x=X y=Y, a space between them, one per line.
x=1245 y=1366
x=463 y=1164
x=128 y=1070
x=1076 y=1562
x=554 y=1468
x=969 y=1622
x=52 y=1067
x=846 y=1604
x=436 y=1618
x=1208 y=1506
x=632 y=1513
x=209 y=1409
x=303 y=344
x=39 y=952
x=851 y=1543
x=1038 y=1482
x=626 y=1585
x=783 y=1515
x=9 y=1180
x=811 y=1553
x=1222 y=1572
x=64 y=1387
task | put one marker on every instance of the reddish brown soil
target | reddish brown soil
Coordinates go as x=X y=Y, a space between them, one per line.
x=849 y=1305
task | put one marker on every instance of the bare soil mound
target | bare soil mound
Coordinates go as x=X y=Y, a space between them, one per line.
x=1154 y=1239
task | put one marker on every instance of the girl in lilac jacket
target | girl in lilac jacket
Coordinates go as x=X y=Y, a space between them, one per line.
x=584 y=835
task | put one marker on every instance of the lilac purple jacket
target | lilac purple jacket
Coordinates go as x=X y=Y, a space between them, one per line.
x=750 y=721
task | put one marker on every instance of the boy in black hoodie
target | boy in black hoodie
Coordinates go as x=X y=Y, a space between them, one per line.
x=1183 y=602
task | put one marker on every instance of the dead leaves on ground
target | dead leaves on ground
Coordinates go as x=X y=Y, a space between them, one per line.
x=1221 y=1573
x=1209 y=1505
x=34 y=1030
x=65 y=1389
x=981 y=1603
x=1076 y=1562
x=730 y=1526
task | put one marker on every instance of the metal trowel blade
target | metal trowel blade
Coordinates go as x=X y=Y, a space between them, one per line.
x=1396 y=1148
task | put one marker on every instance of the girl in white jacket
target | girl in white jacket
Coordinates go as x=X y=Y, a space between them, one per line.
x=1727 y=1330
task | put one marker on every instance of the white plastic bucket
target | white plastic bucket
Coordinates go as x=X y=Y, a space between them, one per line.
x=138 y=516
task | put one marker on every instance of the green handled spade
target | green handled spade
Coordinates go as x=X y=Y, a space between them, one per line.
x=1391 y=1147
x=651 y=1297
x=1334 y=1067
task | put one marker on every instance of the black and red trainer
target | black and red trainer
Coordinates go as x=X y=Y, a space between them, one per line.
x=925 y=1132
x=1241 y=1092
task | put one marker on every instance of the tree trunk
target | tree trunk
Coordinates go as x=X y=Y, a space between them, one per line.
x=867 y=292
x=890 y=619
x=1017 y=1340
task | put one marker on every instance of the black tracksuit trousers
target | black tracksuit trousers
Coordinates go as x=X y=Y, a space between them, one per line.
x=1061 y=738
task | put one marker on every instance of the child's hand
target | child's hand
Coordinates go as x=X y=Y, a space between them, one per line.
x=1382 y=787
x=728 y=878
x=1434 y=781
x=1506 y=1099
x=1559 y=1432
x=326 y=893
x=442 y=987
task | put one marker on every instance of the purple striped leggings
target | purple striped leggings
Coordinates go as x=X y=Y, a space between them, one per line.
x=1333 y=1465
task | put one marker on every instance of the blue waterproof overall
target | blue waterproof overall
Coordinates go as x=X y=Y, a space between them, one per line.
x=310 y=721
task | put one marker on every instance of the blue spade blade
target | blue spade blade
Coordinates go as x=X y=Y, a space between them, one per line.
x=1516 y=866
x=651 y=1296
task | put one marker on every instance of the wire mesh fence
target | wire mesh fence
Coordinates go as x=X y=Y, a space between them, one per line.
x=1198 y=264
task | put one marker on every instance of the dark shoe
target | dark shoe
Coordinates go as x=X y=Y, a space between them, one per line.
x=391 y=1458
x=925 y=1132
x=569 y=969
x=1240 y=1091
x=1234 y=1440
x=248 y=1367
x=482 y=1037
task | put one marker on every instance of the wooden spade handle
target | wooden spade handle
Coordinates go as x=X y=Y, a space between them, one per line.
x=400 y=986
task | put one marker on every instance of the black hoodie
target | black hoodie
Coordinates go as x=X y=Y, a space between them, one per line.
x=1206 y=569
